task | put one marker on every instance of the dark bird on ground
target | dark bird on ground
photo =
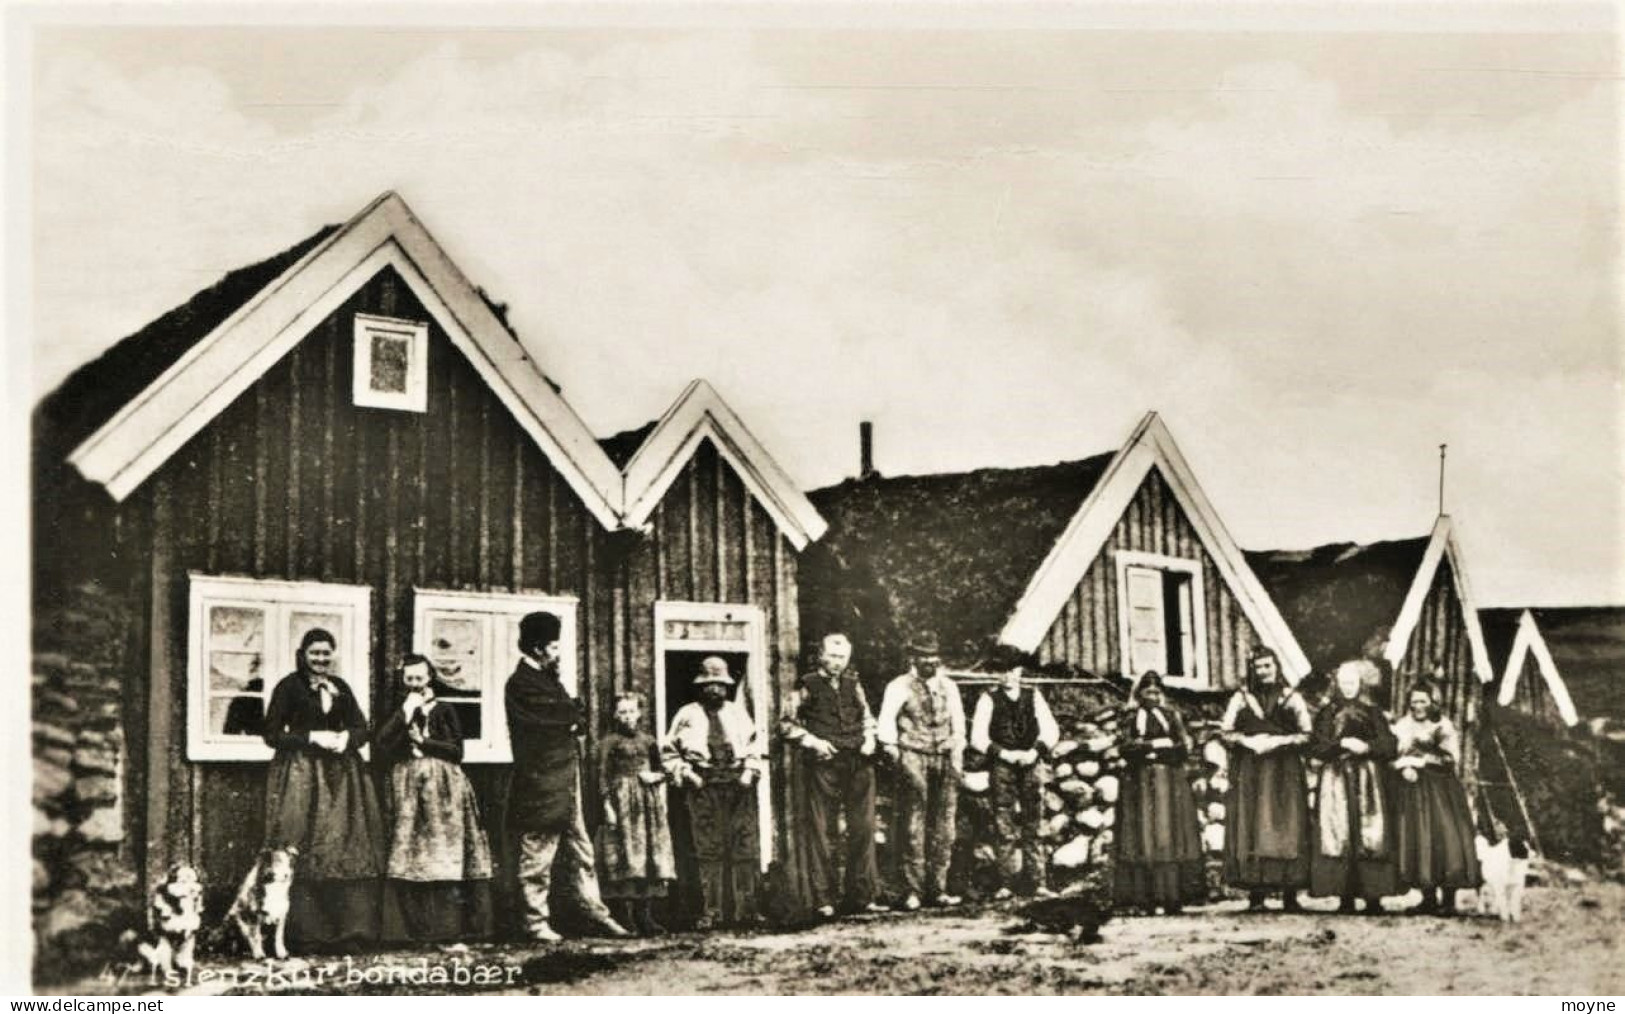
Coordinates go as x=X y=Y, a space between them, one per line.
x=1079 y=916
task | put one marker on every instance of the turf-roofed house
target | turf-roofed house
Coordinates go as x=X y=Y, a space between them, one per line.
x=1108 y=567
x=1404 y=604
x=1527 y=677
x=1587 y=648
x=349 y=435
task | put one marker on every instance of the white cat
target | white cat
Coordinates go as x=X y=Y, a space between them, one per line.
x=1504 y=876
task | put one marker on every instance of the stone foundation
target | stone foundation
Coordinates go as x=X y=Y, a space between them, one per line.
x=84 y=872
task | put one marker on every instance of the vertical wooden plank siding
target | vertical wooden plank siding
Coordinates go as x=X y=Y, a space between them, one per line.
x=160 y=684
x=1439 y=648
x=709 y=541
x=1085 y=634
x=294 y=481
x=306 y=486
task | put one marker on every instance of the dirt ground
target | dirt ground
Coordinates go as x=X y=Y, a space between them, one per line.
x=1572 y=942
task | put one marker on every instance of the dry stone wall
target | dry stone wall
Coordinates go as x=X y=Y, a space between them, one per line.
x=84 y=879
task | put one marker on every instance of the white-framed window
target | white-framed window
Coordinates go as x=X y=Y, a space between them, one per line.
x=242 y=637
x=472 y=638
x=391 y=363
x=1161 y=610
x=687 y=632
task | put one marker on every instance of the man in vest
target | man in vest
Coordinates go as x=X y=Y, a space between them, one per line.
x=922 y=728
x=827 y=717
x=1013 y=727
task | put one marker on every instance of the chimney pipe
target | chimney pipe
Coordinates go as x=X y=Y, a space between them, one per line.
x=866 y=449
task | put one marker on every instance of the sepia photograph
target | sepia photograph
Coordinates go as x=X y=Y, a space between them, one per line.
x=571 y=499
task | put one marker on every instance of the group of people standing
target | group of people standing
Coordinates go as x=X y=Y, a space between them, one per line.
x=1390 y=812
x=922 y=732
x=420 y=867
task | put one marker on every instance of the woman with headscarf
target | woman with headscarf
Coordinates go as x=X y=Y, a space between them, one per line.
x=319 y=799
x=1353 y=854
x=1266 y=842
x=439 y=886
x=1159 y=841
x=1435 y=826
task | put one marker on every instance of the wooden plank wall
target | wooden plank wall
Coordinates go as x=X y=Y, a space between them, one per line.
x=1085 y=635
x=1531 y=695
x=709 y=541
x=293 y=481
x=1440 y=649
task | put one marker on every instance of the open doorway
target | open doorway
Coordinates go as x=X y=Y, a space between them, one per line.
x=682 y=665
x=686 y=633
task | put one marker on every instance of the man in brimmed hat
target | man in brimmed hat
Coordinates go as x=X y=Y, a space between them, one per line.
x=922 y=728
x=544 y=798
x=715 y=754
x=827 y=716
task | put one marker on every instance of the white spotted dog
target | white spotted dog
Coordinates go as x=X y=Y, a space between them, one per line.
x=174 y=916
x=262 y=902
x=1505 y=867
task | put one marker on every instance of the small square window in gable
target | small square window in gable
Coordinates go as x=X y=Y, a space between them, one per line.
x=391 y=363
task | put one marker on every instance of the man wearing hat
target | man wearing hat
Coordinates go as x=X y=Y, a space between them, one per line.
x=922 y=728
x=544 y=798
x=713 y=753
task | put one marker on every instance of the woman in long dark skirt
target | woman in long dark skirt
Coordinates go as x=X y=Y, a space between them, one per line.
x=1436 y=828
x=1266 y=844
x=1158 y=856
x=1353 y=854
x=319 y=799
x=439 y=886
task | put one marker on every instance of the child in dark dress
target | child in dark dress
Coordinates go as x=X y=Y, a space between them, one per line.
x=634 y=841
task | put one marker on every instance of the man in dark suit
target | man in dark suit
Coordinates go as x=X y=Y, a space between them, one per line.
x=544 y=801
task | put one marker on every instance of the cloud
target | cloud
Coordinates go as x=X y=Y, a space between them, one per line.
x=1002 y=248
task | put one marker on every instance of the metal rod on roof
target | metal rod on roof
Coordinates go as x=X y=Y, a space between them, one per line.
x=1441 y=478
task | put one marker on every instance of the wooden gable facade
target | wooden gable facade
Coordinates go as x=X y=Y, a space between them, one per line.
x=1108 y=566
x=1406 y=605
x=1528 y=678
x=425 y=528
x=1091 y=630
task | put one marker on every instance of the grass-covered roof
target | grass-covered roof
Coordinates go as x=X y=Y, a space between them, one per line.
x=96 y=391
x=1339 y=598
x=949 y=552
x=1588 y=645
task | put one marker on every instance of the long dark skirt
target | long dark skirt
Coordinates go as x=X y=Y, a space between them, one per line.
x=1266 y=842
x=445 y=911
x=1361 y=822
x=1435 y=833
x=324 y=805
x=1158 y=858
x=332 y=916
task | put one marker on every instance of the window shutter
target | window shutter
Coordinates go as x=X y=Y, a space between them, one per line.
x=1147 y=650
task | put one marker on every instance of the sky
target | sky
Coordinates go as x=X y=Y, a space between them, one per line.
x=1319 y=253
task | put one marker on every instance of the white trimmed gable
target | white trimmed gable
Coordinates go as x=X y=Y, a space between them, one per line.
x=190 y=394
x=1441 y=544
x=700 y=414
x=1149 y=446
x=1530 y=641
